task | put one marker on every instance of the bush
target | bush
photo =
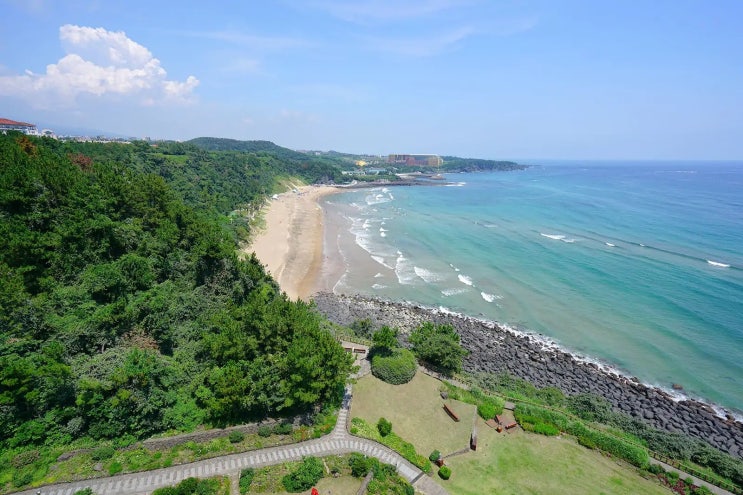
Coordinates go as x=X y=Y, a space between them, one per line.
x=264 y=431
x=305 y=476
x=22 y=478
x=115 y=468
x=246 y=478
x=487 y=410
x=656 y=469
x=103 y=453
x=384 y=427
x=396 y=368
x=236 y=436
x=282 y=428
x=360 y=464
x=25 y=458
x=434 y=456
x=84 y=491
x=439 y=346
x=546 y=429
x=444 y=472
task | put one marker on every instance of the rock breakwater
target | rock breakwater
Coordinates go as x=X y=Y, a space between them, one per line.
x=493 y=348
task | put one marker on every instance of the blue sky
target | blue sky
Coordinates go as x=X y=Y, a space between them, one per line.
x=611 y=79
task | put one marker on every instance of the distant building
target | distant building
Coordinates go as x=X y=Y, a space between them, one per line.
x=416 y=160
x=11 y=125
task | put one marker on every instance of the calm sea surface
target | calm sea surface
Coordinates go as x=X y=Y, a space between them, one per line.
x=637 y=265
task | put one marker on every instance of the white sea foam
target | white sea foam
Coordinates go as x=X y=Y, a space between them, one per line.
x=490 y=297
x=454 y=291
x=427 y=276
x=382 y=229
x=456 y=184
x=379 y=286
x=718 y=264
x=557 y=237
x=569 y=241
x=610 y=244
x=465 y=279
x=378 y=275
x=487 y=297
x=404 y=270
x=455 y=268
x=382 y=234
x=381 y=261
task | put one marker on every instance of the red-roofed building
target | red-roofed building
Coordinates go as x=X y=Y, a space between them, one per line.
x=11 y=125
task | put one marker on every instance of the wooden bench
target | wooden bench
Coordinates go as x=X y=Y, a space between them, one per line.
x=451 y=412
x=511 y=425
x=499 y=419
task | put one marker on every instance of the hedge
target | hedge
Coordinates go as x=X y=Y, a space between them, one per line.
x=396 y=368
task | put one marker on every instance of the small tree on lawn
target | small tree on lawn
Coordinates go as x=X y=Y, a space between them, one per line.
x=384 y=427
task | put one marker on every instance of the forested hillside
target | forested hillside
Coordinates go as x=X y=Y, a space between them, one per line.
x=220 y=181
x=124 y=310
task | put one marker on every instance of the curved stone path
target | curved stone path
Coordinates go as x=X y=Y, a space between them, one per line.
x=339 y=441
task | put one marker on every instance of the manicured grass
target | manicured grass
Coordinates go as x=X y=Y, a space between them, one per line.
x=522 y=463
x=416 y=412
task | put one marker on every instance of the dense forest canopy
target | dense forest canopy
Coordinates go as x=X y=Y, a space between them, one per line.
x=124 y=308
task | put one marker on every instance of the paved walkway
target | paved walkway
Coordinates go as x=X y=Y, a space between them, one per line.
x=339 y=441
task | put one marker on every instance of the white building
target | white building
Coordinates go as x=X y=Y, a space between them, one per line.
x=11 y=125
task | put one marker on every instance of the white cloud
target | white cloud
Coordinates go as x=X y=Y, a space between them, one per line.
x=99 y=63
x=387 y=10
x=423 y=46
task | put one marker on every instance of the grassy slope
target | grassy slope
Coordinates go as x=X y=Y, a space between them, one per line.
x=415 y=410
x=513 y=463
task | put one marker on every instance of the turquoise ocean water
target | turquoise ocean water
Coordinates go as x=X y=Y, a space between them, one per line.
x=636 y=265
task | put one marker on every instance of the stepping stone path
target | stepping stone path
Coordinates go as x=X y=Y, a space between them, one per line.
x=339 y=441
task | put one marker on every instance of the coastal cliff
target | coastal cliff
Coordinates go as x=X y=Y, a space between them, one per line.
x=495 y=349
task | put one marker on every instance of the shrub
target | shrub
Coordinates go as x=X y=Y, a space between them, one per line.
x=236 y=436
x=22 y=478
x=546 y=429
x=361 y=464
x=444 y=472
x=384 y=427
x=264 y=431
x=84 y=491
x=282 y=428
x=103 y=453
x=25 y=458
x=305 y=476
x=656 y=469
x=396 y=368
x=439 y=346
x=434 y=456
x=246 y=478
x=115 y=468
x=487 y=410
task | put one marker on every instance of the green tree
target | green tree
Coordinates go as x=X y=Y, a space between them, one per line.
x=438 y=345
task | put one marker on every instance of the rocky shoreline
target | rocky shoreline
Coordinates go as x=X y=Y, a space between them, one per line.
x=496 y=349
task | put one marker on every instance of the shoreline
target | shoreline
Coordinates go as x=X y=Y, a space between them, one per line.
x=291 y=245
x=497 y=348
x=299 y=247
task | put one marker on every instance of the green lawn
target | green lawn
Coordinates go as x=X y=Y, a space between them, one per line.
x=521 y=463
x=508 y=463
x=416 y=412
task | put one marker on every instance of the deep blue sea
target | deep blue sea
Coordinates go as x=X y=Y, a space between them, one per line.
x=636 y=265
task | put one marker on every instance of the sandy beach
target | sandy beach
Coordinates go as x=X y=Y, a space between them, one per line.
x=291 y=244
